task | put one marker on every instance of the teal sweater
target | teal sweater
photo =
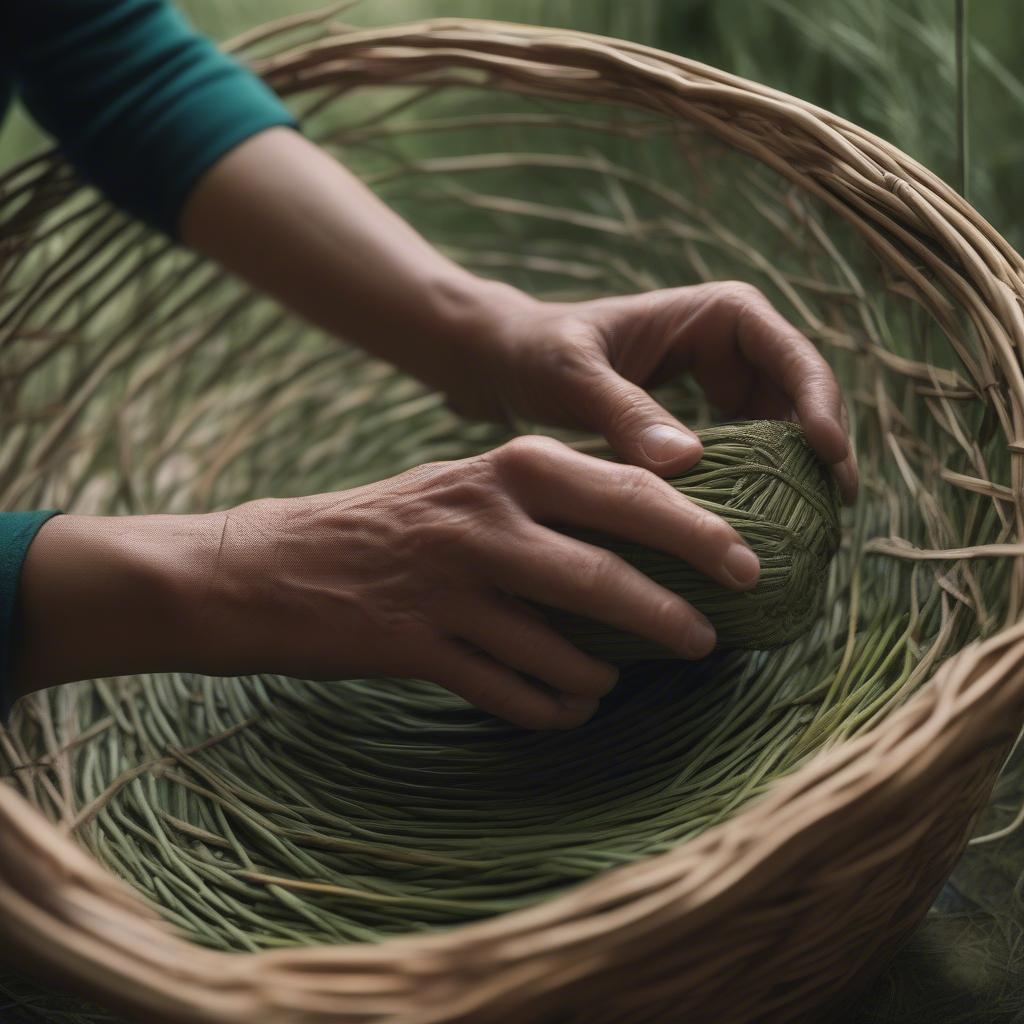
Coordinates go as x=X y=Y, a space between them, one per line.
x=141 y=105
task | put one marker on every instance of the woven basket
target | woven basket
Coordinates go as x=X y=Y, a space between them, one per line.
x=107 y=339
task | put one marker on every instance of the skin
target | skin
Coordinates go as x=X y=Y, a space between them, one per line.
x=435 y=573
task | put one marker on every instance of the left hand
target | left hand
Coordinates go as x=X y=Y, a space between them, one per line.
x=589 y=364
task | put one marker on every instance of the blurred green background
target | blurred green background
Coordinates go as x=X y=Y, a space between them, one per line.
x=891 y=66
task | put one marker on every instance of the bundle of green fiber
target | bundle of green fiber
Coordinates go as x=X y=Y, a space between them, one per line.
x=763 y=478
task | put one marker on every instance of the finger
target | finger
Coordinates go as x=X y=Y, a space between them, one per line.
x=555 y=484
x=767 y=402
x=848 y=478
x=802 y=374
x=770 y=342
x=562 y=572
x=637 y=427
x=522 y=640
x=846 y=472
x=504 y=693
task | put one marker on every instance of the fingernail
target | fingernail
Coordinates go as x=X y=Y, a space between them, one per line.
x=741 y=564
x=702 y=638
x=662 y=443
x=574 y=702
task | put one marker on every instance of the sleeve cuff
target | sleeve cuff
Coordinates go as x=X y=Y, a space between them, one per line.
x=234 y=109
x=17 y=531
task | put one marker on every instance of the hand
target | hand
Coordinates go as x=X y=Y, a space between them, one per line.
x=434 y=574
x=589 y=365
x=428 y=575
x=296 y=224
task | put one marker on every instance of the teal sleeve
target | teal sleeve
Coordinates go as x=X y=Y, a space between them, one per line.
x=17 y=531
x=140 y=103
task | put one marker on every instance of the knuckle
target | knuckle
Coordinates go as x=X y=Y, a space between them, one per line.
x=711 y=532
x=635 y=484
x=671 y=619
x=525 y=453
x=700 y=637
x=743 y=295
x=593 y=570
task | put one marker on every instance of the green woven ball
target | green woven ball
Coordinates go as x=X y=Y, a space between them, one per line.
x=763 y=478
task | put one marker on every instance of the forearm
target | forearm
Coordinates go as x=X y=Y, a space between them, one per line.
x=108 y=596
x=290 y=219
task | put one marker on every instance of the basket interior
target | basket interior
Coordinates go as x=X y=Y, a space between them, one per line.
x=264 y=811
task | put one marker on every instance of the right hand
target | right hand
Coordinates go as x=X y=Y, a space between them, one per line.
x=427 y=575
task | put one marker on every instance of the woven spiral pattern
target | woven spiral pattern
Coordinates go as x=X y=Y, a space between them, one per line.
x=744 y=840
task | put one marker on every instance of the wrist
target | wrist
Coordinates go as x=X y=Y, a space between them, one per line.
x=106 y=596
x=467 y=351
x=471 y=310
x=464 y=324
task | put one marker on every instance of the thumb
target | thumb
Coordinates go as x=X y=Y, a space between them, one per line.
x=638 y=428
